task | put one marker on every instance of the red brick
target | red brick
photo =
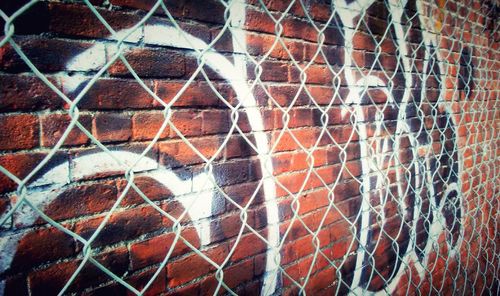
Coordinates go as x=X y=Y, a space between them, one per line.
x=243 y=122
x=260 y=44
x=150 y=187
x=284 y=94
x=193 y=266
x=258 y=218
x=340 y=135
x=339 y=249
x=177 y=153
x=298 y=270
x=250 y=288
x=313 y=201
x=123 y=225
x=21 y=165
x=299 y=29
x=116 y=94
x=19 y=132
x=259 y=264
x=307 y=137
x=211 y=11
x=5 y=204
x=224 y=42
x=256 y=20
x=325 y=95
x=363 y=41
x=334 y=35
x=297 y=249
x=288 y=162
x=283 y=163
x=229 y=173
x=248 y=246
x=241 y=194
x=374 y=96
x=191 y=289
x=149 y=62
x=321 y=280
x=270 y=4
x=215 y=122
x=112 y=127
x=334 y=55
x=188 y=122
x=227 y=227
x=238 y=273
x=192 y=66
x=140 y=280
x=313 y=220
x=208 y=285
x=51 y=279
x=154 y=250
x=316 y=74
x=48 y=55
x=54 y=125
x=320 y=11
x=197 y=94
x=271 y=71
x=79 y=20
x=300 y=118
x=146 y=125
x=237 y=146
x=388 y=62
x=137 y=280
x=27 y=93
x=82 y=200
x=293 y=183
x=335 y=117
x=40 y=246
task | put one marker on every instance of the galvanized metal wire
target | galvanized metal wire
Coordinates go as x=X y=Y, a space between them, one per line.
x=428 y=167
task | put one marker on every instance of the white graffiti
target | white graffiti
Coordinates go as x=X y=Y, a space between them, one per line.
x=372 y=161
x=195 y=195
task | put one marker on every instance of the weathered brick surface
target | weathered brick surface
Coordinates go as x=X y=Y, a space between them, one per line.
x=55 y=125
x=306 y=109
x=27 y=93
x=112 y=127
x=24 y=127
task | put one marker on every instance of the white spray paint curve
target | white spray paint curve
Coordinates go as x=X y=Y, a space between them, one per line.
x=347 y=14
x=197 y=200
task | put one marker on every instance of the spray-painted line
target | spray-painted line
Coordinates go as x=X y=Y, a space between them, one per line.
x=236 y=75
x=347 y=14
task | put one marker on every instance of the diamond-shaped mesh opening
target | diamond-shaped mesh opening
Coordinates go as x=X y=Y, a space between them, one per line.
x=249 y=147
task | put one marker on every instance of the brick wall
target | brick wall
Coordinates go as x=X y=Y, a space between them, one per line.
x=321 y=168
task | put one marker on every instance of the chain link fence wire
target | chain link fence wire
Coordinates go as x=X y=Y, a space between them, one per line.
x=389 y=188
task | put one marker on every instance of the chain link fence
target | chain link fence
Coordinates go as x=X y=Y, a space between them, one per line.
x=352 y=150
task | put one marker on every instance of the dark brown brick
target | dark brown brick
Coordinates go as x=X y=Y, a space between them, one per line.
x=116 y=94
x=48 y=55
x=123 y=225
x=54 y=125
x=148 y=62
x=27 y=93
x=19 y=132
x=112 y=127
